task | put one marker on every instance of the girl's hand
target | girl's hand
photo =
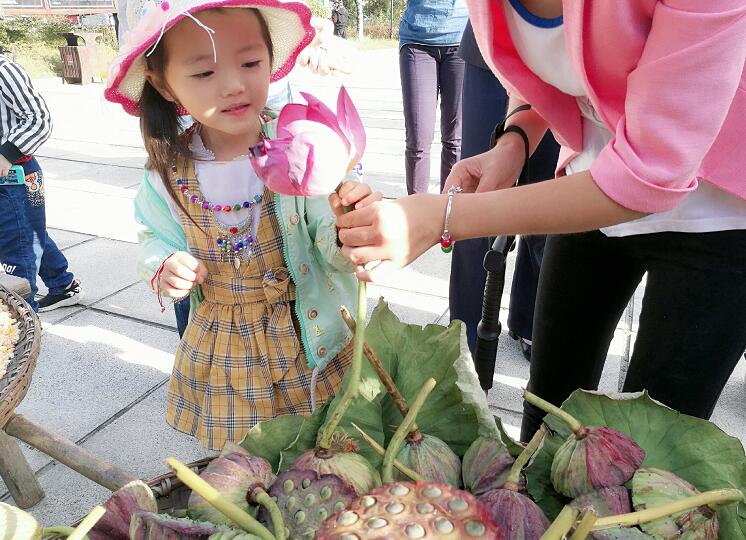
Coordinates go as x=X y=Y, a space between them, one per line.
x=392 y=232
x=5 y=166
x=180 y=273
x=497 y=168
x=355 y=194
x=327 y=53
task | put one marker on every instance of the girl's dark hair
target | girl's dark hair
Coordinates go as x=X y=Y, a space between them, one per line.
x=160 y=122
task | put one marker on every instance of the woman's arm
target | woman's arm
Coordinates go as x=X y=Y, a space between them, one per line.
x=398 y=232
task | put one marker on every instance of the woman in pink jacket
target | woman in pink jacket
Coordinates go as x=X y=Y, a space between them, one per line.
x=648 y=99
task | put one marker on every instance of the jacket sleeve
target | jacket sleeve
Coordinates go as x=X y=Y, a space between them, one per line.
x=322 y=228
x=678 y=97
x=160 y=235
x=34 y=123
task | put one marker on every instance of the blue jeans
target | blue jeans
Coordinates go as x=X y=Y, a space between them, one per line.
x=25 y=247
x=181 y=310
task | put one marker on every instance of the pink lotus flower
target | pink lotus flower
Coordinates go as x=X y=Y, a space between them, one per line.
x=314 y=148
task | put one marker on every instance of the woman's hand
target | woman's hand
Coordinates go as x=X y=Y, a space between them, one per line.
x=327 y=53
x=181 y=272
x=497 y=168
x=392 y=232
x=354 y=194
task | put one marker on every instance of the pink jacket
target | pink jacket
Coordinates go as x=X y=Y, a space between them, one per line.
x=667 y=77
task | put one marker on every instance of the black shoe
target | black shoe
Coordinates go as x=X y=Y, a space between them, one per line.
x=69 y=297
x=524 y=343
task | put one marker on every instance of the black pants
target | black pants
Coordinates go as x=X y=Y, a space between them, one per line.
x=692 y=325
x=484 y=106
x=428 y=72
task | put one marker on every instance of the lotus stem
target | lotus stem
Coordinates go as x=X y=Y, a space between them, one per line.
x=59 y=530
x=220 y=503
x=585 y=525
x=708 y=498
x=275 y=514
x=386 y=379
x=345 y=208
x=88 y=523
x=547 y=407
x=350 y=393
x=514 y=477
x=401 y=432
x=381 y=451
x=562 y=525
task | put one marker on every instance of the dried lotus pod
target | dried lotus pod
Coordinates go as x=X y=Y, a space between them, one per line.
x=306 y=499
x=608 y=501
x=431 y=458
x=653 y=487
x=353 y=468
x=592 y=457
x=518 y=517
x=486 y=465
x=232 y=473
x=411 y=511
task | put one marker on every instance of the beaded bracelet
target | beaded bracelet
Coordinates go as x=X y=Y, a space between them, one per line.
x=446 y=244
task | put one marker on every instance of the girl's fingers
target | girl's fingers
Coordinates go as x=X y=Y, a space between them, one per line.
x=376 y=272
x=175 y=282
x=370 y=199
x=176 y=294
x=359 y=218
x=181 y=271
x=359 y=236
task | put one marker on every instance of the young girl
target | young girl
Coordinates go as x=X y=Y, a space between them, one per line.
x=264 y=270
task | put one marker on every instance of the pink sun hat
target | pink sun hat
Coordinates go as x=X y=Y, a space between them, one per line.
x=288 y=23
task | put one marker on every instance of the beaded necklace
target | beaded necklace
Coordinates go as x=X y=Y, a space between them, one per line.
x=235 y=242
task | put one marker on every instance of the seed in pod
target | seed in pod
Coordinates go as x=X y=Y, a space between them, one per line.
x=431 y=458
x=592 y=457
x=486 y=465
x=653 y=487
x=605 y=501
x=412 y=511
x=306 y=499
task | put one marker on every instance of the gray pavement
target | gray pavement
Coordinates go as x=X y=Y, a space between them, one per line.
x=101 y=375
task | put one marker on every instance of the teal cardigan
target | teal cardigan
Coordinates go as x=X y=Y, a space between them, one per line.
x=323 y=277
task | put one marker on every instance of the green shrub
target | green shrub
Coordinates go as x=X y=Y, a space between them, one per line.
x=318 y=9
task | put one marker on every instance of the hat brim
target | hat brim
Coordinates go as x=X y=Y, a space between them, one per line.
x=289 y=25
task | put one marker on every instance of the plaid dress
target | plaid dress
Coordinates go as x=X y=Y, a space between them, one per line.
x=240 y=360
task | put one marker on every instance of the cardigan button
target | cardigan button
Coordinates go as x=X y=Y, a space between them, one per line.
x=294 y=219
x=303 y=268
x=312 y=314
x=321 y=352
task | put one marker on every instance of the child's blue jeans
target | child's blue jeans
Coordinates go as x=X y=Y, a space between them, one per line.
x=25 y=247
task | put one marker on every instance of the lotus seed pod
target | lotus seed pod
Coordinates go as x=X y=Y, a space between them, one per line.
x=486 y=465
x=518 y=517
x=432 y=458
x=653 y=487
x=123 y=503
x=15 y=524
x=231 y=473
x=412 y=511
x=353 y=468
x=306 y=499
x=594 y=458
x=605 y=501
x=620 y=534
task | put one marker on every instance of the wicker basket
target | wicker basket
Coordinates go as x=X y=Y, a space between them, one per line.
x=170 y=492
x=17 y=379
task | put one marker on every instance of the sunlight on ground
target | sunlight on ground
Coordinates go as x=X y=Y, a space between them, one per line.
x=129 y=350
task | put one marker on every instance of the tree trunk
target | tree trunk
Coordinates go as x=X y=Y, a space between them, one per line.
x=360 y=34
